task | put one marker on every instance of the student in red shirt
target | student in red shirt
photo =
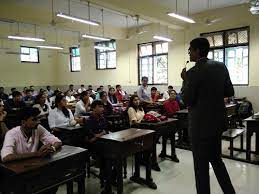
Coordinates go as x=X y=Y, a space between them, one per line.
x=171 y=106
x=120 y=94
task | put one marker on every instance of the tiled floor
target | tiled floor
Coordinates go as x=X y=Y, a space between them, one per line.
x=178 y=178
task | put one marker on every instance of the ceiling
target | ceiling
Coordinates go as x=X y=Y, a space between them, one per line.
x=80 y=9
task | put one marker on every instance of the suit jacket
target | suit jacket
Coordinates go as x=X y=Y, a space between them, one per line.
x=203 y=92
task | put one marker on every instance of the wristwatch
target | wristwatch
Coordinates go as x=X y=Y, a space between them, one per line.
x=53 y=147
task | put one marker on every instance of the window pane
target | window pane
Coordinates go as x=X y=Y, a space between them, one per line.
x=237 y=64
x=76 y=64
x=145 y=50
x=146 y=68
x=111 y=62
x=242 y=36
x=232 y=38
x=102 y=61
x=160 y=69
x=30 y=54
x=210 y=55
x=209 y=38
x=219 y=55
x=159 y=49
x=218 y=40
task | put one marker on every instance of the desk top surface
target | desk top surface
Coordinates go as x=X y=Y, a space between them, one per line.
x=252 y=118
x=168 y=121
x=126 y=135
x=184 y=111
x=23 y=166
x=70 y=128
x=230 y=105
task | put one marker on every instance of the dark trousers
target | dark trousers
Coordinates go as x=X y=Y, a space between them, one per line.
x=207 y=151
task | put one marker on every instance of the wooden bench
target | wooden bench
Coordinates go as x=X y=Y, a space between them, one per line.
x=230 y=135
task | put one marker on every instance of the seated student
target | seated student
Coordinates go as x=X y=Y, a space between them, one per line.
x=3 y=96
x=22 y=141
x=96 y=125
x=60 y=115
x=34 y=92
x=3 y=127
x=40 y=103
x=171 y=106
x=71 y=89
x=111 y=96
x=166 y=93
x=83 y=106
x=28 y=98
x=120 y=94
x=97 y=96
x=11 y=95
x=15 y=103
x=142 y=92
x=135 y=111
x=24 y=91
x=49 y=91
x=154 y=94
x=81 y=89
x=51 y=101
x=108 y=109
x=69 y=97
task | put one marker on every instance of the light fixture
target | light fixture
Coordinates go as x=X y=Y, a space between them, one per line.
x=162 y=38
x=26 y=38
x=104 y=48
x=62 y=15
x=181 y=17
x=50 y=47
x=254 y=8
x=95 y=37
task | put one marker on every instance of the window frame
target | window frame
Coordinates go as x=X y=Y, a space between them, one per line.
x=154 y=43
x=226 y=45
x=107 y=51
x=29 y=48
x=71 y=58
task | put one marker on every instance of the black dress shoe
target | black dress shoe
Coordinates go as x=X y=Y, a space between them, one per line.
x=156 y=167
x=162 y=155
x=175 y=159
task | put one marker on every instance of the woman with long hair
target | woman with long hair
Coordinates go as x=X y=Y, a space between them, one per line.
x=135 y=110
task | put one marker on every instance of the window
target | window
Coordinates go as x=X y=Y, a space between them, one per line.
x=231 y=47
x=152 y=62
x=29 y=54
x=105 y=55
x=75 y=65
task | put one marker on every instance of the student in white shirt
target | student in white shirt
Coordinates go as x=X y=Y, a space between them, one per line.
x=166 y=94
x=83 y=106
x=40 y=103
x=60 y=115
x=72 y=90
x=81 y=89
x=70 y=97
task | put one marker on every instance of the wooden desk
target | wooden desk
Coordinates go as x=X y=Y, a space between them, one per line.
x=162 y=128
x=252 y=126
x=40 y=174
x=118 y=146
x=70 y=135
x=231 y=109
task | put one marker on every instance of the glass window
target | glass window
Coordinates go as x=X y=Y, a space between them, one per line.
x=234 y=52
x=106 y=55
x=153 y=62
x=29 y=54
x=75 y=65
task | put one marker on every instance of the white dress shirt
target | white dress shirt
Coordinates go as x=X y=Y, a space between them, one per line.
x=80 y=107
x=57 y=118
x=70 y=99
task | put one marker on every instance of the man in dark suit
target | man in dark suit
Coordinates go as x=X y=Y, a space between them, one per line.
x=204 y=88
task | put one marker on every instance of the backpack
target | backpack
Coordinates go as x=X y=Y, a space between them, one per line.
x=246 y=109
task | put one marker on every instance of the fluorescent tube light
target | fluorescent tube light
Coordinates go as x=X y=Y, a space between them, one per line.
x=163 y=38
x=85 y=21
x=95 y=37
x=180 y=17
x=103 y=48
x=50 y=47
x=26 y=38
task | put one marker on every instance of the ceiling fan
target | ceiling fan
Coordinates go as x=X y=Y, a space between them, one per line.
x=139 y=30
x=212 y=21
